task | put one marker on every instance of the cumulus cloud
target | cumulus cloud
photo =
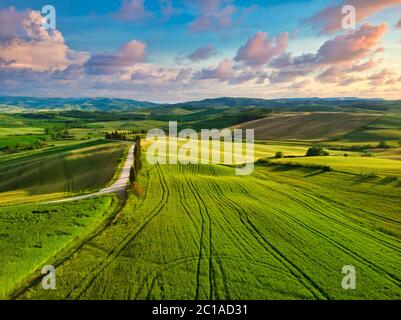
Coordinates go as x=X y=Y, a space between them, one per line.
x=25 y=44
x=260 y=49
x=213 y=14
x=202 y=53
x=349 y=81
x=363 y=66
x=333 y=55
x=331 y=75
x=300 y=84
x=329 y=19
x=352 y=45
x=110 y=63
x=380 y=78
x=223 y=71
x=132 y=10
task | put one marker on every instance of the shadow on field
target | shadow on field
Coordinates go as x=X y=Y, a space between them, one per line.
x=315 y=173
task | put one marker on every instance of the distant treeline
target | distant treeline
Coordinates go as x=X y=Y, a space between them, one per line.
x=122 y=135
x=360 y=148
x=24 y=147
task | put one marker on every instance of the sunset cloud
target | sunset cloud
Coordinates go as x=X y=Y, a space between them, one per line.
x=330 y=18
x=362 y=66
x=260 y=49
x=213 y=14
x=352 y=45
x=378 y=79
x=202 y=53
x=25 y=44
x=223 y=71
x=128 y=55
x=333 y=56
x=164 y=60
x=132 y=10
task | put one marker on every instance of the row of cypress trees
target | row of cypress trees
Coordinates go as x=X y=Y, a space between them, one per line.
x=137 y=166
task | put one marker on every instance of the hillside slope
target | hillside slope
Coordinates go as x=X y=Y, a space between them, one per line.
x=307 y=126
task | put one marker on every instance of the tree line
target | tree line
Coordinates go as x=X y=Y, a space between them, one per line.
x=137 y=166
x=122 y=135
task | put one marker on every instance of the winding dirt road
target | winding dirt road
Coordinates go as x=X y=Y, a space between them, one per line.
x=117 y=186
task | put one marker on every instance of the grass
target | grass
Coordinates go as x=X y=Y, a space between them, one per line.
x=23 y=140
x=356 y=165
x=20 y=131
x=31 y=234
x=200 y=232
x=69 y=170
x=129 y=125
x=308 y=126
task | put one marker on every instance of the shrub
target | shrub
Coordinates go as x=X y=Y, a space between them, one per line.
x=383 y=145
x=279 y=155
x=263 y=161
x=316 y=152
x=325 y=168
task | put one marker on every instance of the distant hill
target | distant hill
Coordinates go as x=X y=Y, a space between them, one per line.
x=307 y=126
x=296 y=104
x=99 y=104
x=346 y=104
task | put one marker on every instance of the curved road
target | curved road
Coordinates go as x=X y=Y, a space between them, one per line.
x=117 y=186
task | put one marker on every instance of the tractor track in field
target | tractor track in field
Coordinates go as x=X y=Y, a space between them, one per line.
x=345 y=225
x=373 y=266
x=69 y=178
x=344 y=249
x=201 y=205
x=201 y=241
x=300 y=275
x=384 y=242
x=19 y=174
x=41 y=173
x=393 y=278
x=117 y=187
x=200 y=244
x=212 y=274
x=336 y=202
x=90 y=277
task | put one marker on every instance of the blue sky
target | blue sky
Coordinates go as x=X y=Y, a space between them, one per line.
x=150 y=42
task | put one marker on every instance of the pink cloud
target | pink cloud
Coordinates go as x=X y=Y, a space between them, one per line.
x=224 y=71
x=132 y=10
x=398 y=25
x=202 y=53
x=333 y=56
x=378 y=79
x=329 y=19
x=260 y=49
x=363 y=66
x=128 y=55
x=350 y=81
x=25 y=44
x=331 y=75
x=213 y=14
x=287 y=75
x=300 y=84
x=352 y=45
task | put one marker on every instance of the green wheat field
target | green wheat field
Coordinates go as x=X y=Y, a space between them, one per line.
x=199 y=231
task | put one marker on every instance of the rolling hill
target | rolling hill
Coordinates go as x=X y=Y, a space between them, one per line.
x=307 y=126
